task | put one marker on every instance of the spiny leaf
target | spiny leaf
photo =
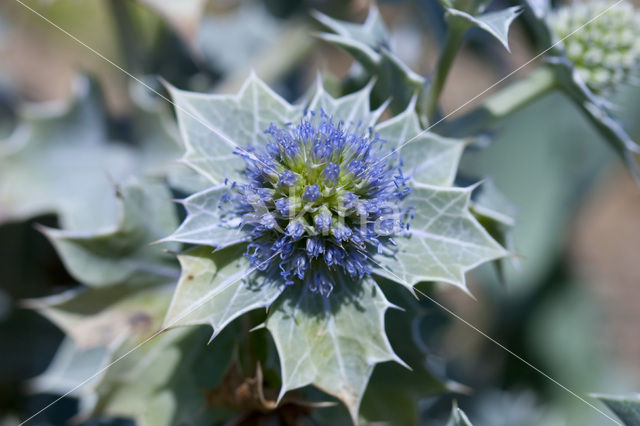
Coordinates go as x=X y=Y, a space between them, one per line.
x=216 y=287
x=458 y=417
x=332 y=343
x=426 y=157
x=59 y=161
x=106 y=316
x=626 y=407
x=158 y=141
x=495 y=23
x=395 y=393
x=205 y=223
x=70 y=368
x=123 y=254
x=373 y=32
x=213 y=127
x=163 y=382
x=369 y=44
x=351 y=109
x=443 y=242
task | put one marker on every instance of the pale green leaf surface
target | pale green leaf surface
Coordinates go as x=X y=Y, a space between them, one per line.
x=492 y=203
x=394 y=393
x=206 y=224
x=106 y=316
x=249 y=28
x=443 y=242
x=427 y=158
x=158 y=141
x=369 y=44
x=217 y=287
x=213 y=127
x=123 y=254
x=333 y=342
x=458 y=418
x=365 y=55
x=164 y=382
x=58 y=161
x=373 y=32
x=70 y=367
x=496 y=214
x=495 y=23
x=626 y=407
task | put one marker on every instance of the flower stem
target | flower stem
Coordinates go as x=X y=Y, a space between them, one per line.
x=452 y=43
x=504 y=103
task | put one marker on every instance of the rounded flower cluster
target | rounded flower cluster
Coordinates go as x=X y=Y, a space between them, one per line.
x=319 y=197
x=605 y=51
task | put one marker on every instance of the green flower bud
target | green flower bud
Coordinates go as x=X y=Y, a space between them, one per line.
x=605 y=48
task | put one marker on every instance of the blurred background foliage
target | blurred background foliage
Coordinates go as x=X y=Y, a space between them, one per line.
x=568 y=304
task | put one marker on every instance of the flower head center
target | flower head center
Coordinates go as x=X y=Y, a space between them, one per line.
x=318 y=198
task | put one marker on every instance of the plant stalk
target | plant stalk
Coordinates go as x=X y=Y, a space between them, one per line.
x=452 y=44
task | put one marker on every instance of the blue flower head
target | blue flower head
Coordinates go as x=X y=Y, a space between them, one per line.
x=319 y=197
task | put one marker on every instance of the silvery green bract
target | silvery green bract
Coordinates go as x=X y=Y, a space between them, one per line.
x=332 y=340
x=626 y=407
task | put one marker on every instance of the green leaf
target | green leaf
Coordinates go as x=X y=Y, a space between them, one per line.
x=443 y=242
x=70 y=368
x=205 y=223
x=368 y=36
x=106 y=316
x=497 y=215
x=217 y=287
x=626 y=407
x=427 y=158
x=164 y=381
x=158 y=140
x=332 y=343
x=458 y=417
x=59 y=161
x=495 y=23
x=214 y=126
x=249 y=28
x=395 y=393
x=122 y=254
x=369 y=44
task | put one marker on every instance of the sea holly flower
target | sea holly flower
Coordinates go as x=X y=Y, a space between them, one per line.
x=309 y=205
x=600 y=54
x=604 y=52
x=591 y=51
